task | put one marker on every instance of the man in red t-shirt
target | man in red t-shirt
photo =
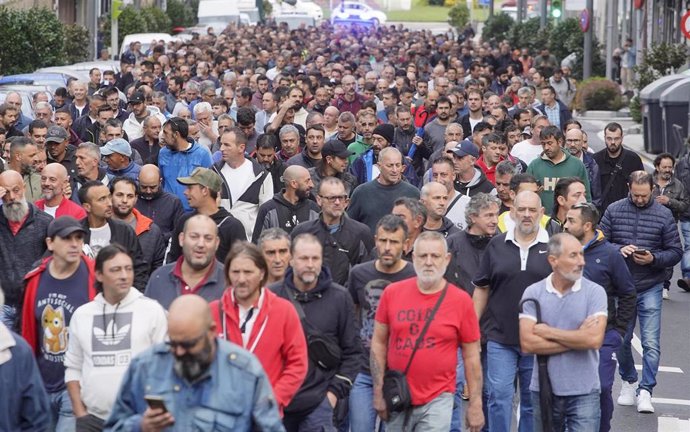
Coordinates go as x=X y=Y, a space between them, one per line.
x=400 y=318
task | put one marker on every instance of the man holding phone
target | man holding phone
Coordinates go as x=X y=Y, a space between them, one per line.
x=646 y=234
x=194 y=381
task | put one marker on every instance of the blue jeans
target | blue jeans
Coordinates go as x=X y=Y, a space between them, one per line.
x=456 y=423
x=61 y=410
x=431 y=417
x=362 y=412
x=504 y=363
x=685 y=262
x=576 y=413
x=607 y=371
x=649 y=312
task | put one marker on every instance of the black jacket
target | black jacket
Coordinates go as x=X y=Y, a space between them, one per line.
x=615 y=171
x=448 y=228
x=123 y=234
x=470 y=248
x=328 y=308
x=347 y=247
x=19 y=252
x=281 y=213
x=164 y=209
x=149 y=154
x=230 y=230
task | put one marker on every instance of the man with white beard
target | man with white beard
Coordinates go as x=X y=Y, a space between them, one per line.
x=23 y=230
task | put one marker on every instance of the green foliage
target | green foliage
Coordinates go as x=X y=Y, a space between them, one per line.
x=636 y=109
x=77 y=40
x=181 y=14
x=497 y=27
x=30 y=39
x=528 y=35
x=662 y=59
x=567 y=38
x=156 y=20
x=598 y=94
x=459 y=16
x=268 y=8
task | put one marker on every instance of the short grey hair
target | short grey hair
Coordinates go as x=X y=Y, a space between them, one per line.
x=273 y=234
x=431 y=236
x=506 y=167
x=524 y=91
x=555 y=246
x=346 y=117
x=478 y=203
x=192 y=85
x=287 y=129
x=202 y=107
x=42 y=105
x=93 y=149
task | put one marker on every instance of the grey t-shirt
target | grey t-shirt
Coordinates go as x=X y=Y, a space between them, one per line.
x=573 y=372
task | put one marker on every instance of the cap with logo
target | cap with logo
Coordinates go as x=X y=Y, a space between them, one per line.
x=136 y=98
x=464 y=148
x=204 y=177
x=117 y=145
x=64 y=226
x=335 y=147
x=56 y=134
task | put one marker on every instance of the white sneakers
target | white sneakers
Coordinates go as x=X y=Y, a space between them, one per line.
x=627 y=395
x=666 y=294
x=644 y=402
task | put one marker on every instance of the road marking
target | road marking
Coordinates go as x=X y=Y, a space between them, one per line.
x=637 y=344
x=671 y=401
x=673 y=424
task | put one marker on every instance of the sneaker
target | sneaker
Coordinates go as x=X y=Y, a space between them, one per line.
x=666 y=295
x=644 y=402
x=684 y=284
x=627 y=395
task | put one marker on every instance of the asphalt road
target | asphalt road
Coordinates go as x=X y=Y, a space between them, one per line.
x=671 y=396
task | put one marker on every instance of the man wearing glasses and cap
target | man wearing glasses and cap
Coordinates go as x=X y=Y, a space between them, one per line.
x=60 y=150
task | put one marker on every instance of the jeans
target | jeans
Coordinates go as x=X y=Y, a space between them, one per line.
x=319 y=420
x=89 y=423
x=63 y=416
x=504 y=363
x=362 y=413
x=649 y=312
x=576 y=413
x=607 y=371
x=431 y=417
x=456 y=423
x=685 y=262
x=9 y=317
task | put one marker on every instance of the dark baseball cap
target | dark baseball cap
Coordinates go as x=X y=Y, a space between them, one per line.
x=464 y=148
x=137 y=98
x=56 y=134
x=64 y=226
x=204 y=177
x=335 y=147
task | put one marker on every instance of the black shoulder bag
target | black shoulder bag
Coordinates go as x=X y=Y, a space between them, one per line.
x=322 y=350
x=396 y=391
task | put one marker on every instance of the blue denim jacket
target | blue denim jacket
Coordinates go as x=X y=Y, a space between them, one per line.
x=235 y=395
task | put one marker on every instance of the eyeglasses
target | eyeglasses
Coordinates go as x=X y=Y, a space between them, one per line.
x=334 y=198
x=185 y=345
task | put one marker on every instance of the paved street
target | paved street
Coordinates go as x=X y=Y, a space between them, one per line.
x=671 y=397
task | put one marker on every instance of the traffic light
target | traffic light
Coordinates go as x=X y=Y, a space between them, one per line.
x=556 y=9
x=115 y=9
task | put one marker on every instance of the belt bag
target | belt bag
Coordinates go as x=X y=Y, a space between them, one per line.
x=396 y=391
x=323 y=351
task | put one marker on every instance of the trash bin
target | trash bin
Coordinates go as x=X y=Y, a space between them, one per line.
x=651 y=112
x=675 y=105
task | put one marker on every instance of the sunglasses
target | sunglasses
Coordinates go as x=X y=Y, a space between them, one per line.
x=185 y=345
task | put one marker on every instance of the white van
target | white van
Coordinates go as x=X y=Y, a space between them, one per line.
x=218 y=13
x=145 y=39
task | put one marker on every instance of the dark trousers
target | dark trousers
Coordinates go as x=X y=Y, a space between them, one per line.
x=319 y=420
x=89 y=423
x=607 y=371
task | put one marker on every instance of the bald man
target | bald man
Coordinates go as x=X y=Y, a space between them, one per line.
x=54 y=181
x=209 y=374
x=512 y=261
x=290 y=206
x=23 y=230
x=162 y=207
x=434 y=197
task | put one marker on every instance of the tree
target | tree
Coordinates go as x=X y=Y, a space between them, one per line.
x=567 y=38
x=528 y=34
x=181 y=14
x=459 y=16
x=497 y=27
x=30 y=39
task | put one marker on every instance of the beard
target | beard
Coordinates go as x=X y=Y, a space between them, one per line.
x=16 y=211
x=192 y=366
x=150 y=196
x=121 y=214
x=302 y=194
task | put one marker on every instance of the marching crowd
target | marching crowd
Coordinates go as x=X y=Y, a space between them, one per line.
x=327 y=229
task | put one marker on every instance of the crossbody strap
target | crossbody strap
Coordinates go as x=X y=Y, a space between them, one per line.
x=426 y=327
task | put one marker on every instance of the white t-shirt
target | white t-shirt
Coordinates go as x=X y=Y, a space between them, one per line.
x=238 y=179
x=526 y=151
x=456 y=212
x=100 y=238
x=50 y=210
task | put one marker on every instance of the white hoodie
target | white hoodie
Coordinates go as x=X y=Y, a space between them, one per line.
x=103 y=340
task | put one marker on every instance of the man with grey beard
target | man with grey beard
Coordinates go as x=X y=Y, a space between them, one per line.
x=23 y=230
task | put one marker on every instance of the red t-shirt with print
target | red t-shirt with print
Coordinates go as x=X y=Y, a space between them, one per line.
x=404 y=309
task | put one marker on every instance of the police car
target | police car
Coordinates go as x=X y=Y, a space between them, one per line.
x=357 y=13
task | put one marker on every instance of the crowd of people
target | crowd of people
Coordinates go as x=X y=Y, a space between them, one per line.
x=327 y=229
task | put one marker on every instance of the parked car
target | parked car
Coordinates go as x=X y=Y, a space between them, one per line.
x=300 y=6
x=356 y=12
x=49 y=79
x=145 y=40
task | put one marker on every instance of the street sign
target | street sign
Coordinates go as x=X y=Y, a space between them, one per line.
x=638 y=4
x=685 y=24
x=584 y=20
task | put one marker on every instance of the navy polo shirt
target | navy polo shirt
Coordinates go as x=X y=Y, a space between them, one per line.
x=507 y=271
